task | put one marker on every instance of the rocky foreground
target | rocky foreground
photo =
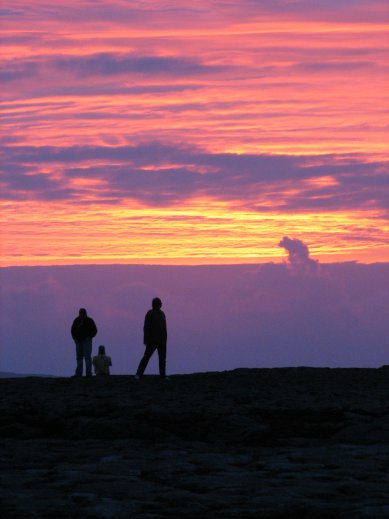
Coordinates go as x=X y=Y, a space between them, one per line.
x=296 y=443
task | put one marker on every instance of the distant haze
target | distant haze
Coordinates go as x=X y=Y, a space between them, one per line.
x=219 y=317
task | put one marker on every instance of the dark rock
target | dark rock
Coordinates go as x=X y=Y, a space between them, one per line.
x=264 y=443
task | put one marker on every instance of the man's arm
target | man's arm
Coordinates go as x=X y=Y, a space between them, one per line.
x=164 y=327
x=73 y=329
x=93 y=328
x=147 y=328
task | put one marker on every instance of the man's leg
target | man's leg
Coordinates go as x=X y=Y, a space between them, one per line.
x=88 y=357
x=162 y=360
x=79 y=357
x=145 y=359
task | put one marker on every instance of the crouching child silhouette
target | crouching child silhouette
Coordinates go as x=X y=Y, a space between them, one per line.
x=154 y=338
x=102 y=362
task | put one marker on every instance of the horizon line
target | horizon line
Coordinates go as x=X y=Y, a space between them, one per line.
x=160 y=263
x=12 y=374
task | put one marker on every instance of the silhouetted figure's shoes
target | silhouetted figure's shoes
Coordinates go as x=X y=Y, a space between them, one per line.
x=76 y=376
x=137 y=377
x=165 y=378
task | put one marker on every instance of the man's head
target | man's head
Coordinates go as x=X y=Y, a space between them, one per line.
x=156 y=303
x=82 y=313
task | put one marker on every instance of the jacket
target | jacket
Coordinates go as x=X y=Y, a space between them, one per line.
x=154 y=329
x=83 y=328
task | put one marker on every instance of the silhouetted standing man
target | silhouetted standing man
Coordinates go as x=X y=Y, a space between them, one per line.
x=83 y=330
x=154 y=338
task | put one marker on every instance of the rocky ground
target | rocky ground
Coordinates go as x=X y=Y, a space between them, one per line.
x=296 y=443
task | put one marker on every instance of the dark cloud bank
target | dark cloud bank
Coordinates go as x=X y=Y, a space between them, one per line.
x=182 y=173
x=219 y=317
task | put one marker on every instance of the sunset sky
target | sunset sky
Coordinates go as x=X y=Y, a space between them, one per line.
x=202 y=132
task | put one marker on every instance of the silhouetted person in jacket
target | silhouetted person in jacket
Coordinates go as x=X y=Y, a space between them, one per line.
x=101 y=362
x=83 y=330
x=154 y=338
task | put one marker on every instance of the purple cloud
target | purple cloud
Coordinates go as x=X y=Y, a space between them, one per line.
x=219 y=317
x=107 y=64
x=342 y=10
x=298 y=255
x=23 y=183
x=17 y=71
x=158 y=174
x=332 y=66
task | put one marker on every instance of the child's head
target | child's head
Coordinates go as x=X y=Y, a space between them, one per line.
x=101 y=350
